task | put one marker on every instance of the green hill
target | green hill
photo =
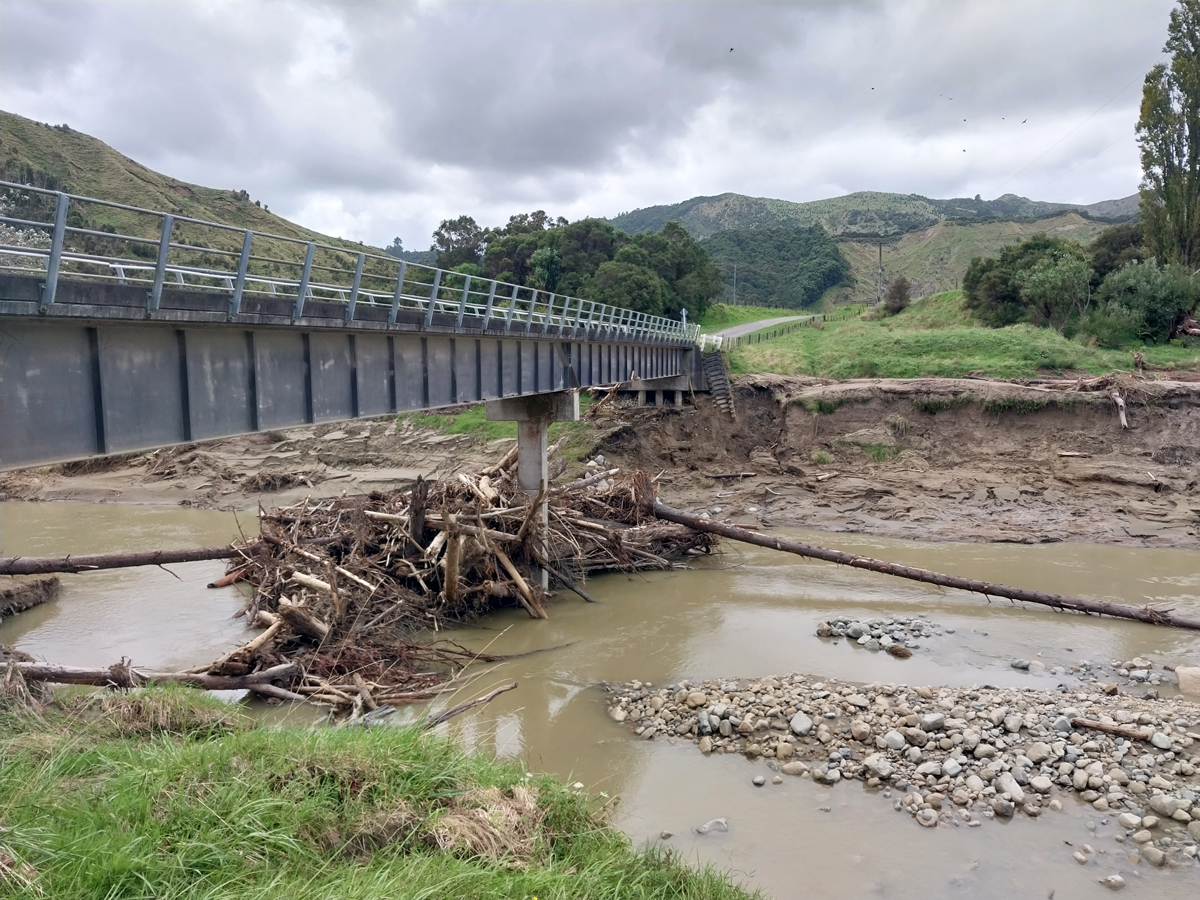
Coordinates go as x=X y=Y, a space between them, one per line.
x=865 y=213
x=777 y=267
x=936 y=257
x=59 y=158
x=931 y=242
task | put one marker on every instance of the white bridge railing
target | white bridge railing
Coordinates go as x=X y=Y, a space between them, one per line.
x=188 y=253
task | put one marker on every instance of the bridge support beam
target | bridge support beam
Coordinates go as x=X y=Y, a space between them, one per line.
x=533 y=416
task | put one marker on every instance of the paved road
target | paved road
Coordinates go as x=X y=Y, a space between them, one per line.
x=738 y=330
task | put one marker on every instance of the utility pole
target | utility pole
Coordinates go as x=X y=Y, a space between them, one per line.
x=879 y=277
x=735 y=284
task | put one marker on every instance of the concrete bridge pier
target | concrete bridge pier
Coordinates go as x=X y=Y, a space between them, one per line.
x=533 y=415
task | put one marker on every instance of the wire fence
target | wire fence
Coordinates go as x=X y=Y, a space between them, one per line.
x=52 y=235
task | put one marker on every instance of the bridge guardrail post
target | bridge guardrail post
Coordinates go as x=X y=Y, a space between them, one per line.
x=160 y=267
x=512 y=308
x=529 y=317
x=302 y=291
x=239 y=286
x=395 y=311
x=50 y=288
x=358 y=270
x=433 y=296
x=487 y=310
x=462 y=301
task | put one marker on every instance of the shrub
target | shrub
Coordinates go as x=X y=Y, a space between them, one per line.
x=897 y=296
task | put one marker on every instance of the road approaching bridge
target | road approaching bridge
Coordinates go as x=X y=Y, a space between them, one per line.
x=751 y=327
x=171 y=330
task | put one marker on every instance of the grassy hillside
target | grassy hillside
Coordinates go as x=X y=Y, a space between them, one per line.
x=58 y=158
x=936 y=336
x=936 y=257
x=863 y=213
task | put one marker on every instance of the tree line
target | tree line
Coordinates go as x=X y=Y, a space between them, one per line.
x=1136 y=282
x=660 y=273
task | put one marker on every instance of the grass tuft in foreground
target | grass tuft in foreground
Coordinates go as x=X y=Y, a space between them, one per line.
x=166 y=794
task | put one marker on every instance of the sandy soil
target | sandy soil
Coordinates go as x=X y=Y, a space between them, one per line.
x=934 y=459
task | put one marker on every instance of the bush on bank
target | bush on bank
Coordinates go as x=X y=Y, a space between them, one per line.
x=172 y=795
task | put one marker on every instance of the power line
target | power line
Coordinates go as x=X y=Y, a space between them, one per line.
x=1069 y=133
x=1089 y=159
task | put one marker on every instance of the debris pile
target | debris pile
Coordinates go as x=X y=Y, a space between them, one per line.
x=343 y=586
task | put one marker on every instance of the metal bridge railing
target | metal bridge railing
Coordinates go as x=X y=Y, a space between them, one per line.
x=195 y=254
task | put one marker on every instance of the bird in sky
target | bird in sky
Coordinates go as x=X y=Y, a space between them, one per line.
x=1023 y=121
x=730 y=49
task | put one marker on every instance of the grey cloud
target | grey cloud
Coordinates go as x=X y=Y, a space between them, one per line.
x=389 y=116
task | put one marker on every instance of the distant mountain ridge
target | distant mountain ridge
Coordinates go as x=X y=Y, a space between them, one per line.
x=860 y=215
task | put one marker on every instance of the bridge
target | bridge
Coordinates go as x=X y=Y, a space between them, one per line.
x=151 y=329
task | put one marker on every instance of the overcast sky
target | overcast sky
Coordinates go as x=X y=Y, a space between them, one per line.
x=375 y=119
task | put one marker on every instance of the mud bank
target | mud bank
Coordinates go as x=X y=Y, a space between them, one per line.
x=935 y=459
x=931 y=459
x=276 y=467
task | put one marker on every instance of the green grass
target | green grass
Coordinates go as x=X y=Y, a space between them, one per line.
x=228 y=810
x=933 y=337
x=720 y=316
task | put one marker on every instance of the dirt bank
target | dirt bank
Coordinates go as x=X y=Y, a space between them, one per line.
x=936 y=459
x=274 y=467
x=931 y=458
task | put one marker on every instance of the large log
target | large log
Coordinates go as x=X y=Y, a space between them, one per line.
x=1145 y=614
x=32 y=565
x=122 y=675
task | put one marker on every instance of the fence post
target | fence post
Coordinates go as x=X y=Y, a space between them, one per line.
x=358 y=269
x=399 y=291
x=302 y=292
x=239 y=286
x=437 y=281
x=50 y=288
x=160 y=268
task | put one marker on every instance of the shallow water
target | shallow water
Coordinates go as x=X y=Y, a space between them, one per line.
x=750 y=612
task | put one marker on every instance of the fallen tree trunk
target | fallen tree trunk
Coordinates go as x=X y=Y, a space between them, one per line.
x=32 y=565
x=1145 y=614
x=123 y=675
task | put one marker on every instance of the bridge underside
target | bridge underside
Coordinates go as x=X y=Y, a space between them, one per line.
x=95 y=376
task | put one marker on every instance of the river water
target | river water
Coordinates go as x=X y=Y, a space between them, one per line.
x=748 y=612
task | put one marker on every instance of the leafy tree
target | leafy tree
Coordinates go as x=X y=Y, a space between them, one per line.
x=1168 y=134
x=1145 y=301
x=546 y=267
x=897 y=296
x=660 y=273
x=783 y=267
x=627 y=285
x=1113 y=248
x=1057 y=287
x=995 y=286
x=395 y=248
x=458 y=241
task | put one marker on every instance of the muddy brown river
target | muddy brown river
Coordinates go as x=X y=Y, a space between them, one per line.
x=748 y=612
